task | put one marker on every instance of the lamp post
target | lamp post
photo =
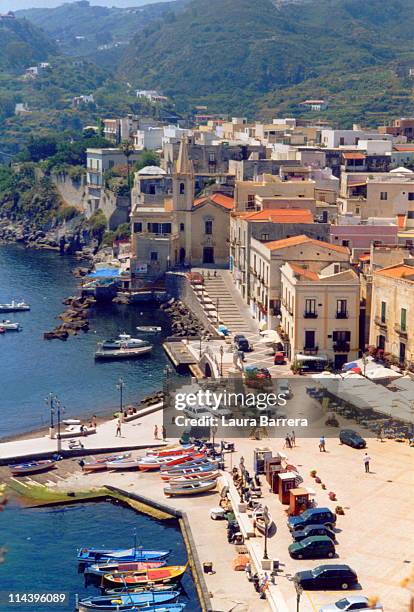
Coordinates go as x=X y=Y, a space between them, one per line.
x=221 y=361
x=120 y=386
x=217 y=308
x=49 y=402
x=299 y=591
x=59 y=409
x=241 y=464
x=200 y=348
x=213 y=432
x=266 y=519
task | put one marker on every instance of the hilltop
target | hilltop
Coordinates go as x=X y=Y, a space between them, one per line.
x=236 y=58
x=22 y=44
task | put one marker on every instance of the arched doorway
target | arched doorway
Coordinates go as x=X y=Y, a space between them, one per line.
x=207 y=371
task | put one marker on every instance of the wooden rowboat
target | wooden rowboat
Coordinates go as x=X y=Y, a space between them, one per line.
x=93 y=555
x=181 y=470
x=190 y=488
x=127 y=601
x=162 y=575
x=100 y=569
x=170 y=452
x=258 y=517
x=156 y=463
x=31 y=467
x=144 y=588
x=202 y=477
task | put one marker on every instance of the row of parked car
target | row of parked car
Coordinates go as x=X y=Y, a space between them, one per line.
x=314 y=538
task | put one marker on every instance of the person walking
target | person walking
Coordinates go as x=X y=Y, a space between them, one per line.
x=293 y=438
x=322 y=444
x=367 y=459
x=288 y=443
x=164 y=432
x=155 y=432
x=118 y=429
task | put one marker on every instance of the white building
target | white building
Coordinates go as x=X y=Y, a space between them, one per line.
x=149 y=138
x=333 y=139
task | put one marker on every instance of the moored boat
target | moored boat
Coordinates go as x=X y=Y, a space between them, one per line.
x=122 y=353
x=149 y=328
x=170 y=452
x=123 y=464
x=124 y=341
x=93 y=555
x=30 y=467
x=201 y=477
x=10 y=325
x=100 y=464
x=155 y=463
x=200 y=465
x=127 y=601
x=162 y=575
x=259 y=519
x=190 y=488
x=143 y=588
x=14 y=306
x=111 y=566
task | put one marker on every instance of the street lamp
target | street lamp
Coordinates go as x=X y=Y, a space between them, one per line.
x=217 y=308
x=120 y=386
x=213 y=432
x=221 y=360
x=299 y=591
x=200 y=348
x=266 y=519
x=55 y=408
x=241 y=464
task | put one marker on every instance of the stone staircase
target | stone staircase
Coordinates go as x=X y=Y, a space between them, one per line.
x=232 y=312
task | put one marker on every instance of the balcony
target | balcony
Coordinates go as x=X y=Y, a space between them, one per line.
x=310 y=315
x=341 y=347
x=310 y=350
x=400 y=330
x=380 y=322
x=342 y=314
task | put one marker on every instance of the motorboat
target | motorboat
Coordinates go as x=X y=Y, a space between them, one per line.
x=10 y=325
x=163 y=575
x=190 y=488
x=14 y=307
x=93 y=555
x=121 y=352
x=151 y=329
x=107 y=567
x=128 y=601
x=20 y=469
x=124 y=341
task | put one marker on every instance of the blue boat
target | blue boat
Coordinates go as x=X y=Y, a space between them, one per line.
x=92 y=555
x=127 y=601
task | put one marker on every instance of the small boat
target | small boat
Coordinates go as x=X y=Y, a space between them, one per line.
x=200 y=465
x=20 y=469
x=122 y=353
x=258 y=517
x=92 y=555
x=190 y=488
x=150 y=329
x=162 y=575
x=169 y=452
x=10 y=325
x=111 y=566
x=14 y=307
x=123 y=464
x=155 y=463
x=127 y=601
x=100 y=464
x=124 y=341
x=144 y=588
x=201 y=477
x=72 y=422
x=188 y=473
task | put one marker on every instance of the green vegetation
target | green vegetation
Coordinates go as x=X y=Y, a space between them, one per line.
x=97 y=223
x=235 y=58
x=122 y=232
x=148 y=158
x=22 y=44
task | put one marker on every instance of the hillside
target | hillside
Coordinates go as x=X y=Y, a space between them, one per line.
x=81 y=28
x=22 y=44
x=236 y=58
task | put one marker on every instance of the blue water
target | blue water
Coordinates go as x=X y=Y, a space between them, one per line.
x=32 y=367
x=41 y=549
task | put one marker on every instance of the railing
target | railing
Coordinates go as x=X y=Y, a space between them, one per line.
x=310 y=350
x=380 y=322
x=341 y=347
x=401 y=331
x=310 y=315
x=342 y=314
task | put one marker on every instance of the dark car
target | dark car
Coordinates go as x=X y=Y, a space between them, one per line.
x=315 y=547
x=312 y=516
x=313 y=530
x=329 y=577
x=242 y=343
x=351 y=438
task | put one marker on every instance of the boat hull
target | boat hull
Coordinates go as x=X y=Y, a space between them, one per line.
x=131 y=601
x=192 y=489
x=94 y=555
x=157 y=576
x=100 y=569
x=133 y=353
x=30 y=468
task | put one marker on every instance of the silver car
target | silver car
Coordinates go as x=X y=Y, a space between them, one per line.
x=356 y=602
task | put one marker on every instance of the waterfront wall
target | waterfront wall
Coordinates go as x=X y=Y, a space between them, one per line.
x=72 y=191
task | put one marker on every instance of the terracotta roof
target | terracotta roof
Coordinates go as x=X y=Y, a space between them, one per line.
x=401 y=221
x=303 y=272
x=401 y=271
x=217 y=198
x=365 y=257
x=280 y=215
x=353 y=155
x=402 y=148
x=302 y=239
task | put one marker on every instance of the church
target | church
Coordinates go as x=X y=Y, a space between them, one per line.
x=172 y=226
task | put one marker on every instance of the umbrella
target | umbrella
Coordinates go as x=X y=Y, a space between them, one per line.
x=350 y=366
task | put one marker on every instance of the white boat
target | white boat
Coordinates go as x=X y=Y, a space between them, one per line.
x=71 y=422
x=14 y=307
x=10 y=325
x=149 y=328
x=122 y=353
x=122 y=464
x=200 y=477
x=258 y=517
x=190 y=488
x=124 y=341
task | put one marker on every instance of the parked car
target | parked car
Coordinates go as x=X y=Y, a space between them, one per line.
x=312 y=516
x=328 y=577
x=314 y=547
x=313 y=530
x=283 y=386
x=279 y=358
x=357 y=602
x=352 y=438
x=242 y=343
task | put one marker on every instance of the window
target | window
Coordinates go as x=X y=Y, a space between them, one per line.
x=159 y=228
x=341 y=309
x=345 y=243
x=403 y=319
x=212 y=157
x=111 y=163
x=208 y=227
x=310 y=306
x=411 y=195
x=182 y=188
x=251 y=202
x=137 y=228
x=154 y=256
x=341 y=140
x=182 y=227
x=384 y=195
x=383 y=311
x=265 y=237
x=337 y=268
x=410 y=214
x=309 y=339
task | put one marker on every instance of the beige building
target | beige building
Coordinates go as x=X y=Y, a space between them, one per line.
x=392 y=311
x=320 y=312
x=270 y=187
x=266 y=260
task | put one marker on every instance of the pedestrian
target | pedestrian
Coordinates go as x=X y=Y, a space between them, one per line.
x=248 y=570
x=293 y=438
x=94 y=423
x=367 y=459
x=322 y=444
x=288 y=443
x=164 y=432
x=118 y=428
x=155 y=432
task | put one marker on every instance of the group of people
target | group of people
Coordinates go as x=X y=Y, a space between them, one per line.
x=163 y=432
x=290 y=440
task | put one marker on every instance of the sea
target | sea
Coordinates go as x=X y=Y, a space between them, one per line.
x=31 y=367
x=41 y=543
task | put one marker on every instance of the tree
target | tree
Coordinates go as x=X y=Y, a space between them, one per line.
x=148 y=158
